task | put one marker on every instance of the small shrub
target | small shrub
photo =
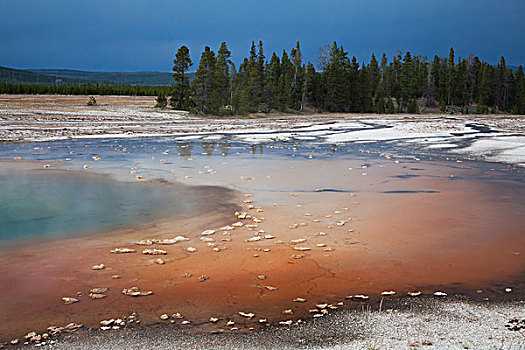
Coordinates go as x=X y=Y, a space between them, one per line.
x=92 y=101
x=161 y=101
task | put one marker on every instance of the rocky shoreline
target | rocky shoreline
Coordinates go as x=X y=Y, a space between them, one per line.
x=416 y=323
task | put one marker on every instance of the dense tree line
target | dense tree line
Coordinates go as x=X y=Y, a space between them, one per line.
x=127 y=90
x=406 y=83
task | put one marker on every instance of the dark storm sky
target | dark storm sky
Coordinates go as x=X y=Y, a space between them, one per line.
x=132 y=35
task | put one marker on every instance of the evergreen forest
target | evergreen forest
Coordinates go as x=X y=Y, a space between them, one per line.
x=339 y=83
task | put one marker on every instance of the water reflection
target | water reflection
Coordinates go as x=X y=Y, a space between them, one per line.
x=208 y=146
x=184 y=148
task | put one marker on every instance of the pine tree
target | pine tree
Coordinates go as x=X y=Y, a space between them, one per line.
x=314 y=87
x=205 y=93
x=390 y=109
x=380 y=106
x=519 y=91
x=450 y=75
x=255 y=77
x=337 y=85
x=460 y=93
x=353 y=86
x=366 y=103
x=180 y=94
x=241 y=94
x=381 y=90
x=297 y=81
x=407 y=81
x=486 y=85
x=285 y=82
x=472 y=73
x=260 y=74
x=503 y=86
x=272 y=82
x=375 y=75
x=429 y=90
x=223 y=82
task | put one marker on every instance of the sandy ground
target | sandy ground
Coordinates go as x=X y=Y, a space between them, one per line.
x=401 y=324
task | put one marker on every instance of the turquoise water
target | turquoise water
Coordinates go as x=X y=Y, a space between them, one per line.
x=45 y=205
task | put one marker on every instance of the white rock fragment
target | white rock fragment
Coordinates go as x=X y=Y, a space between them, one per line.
x=154 y=252
x=207 y=232
x=122 y=251
x=247 y=315
x=68 y=300
x=191 y=249
x=135 y=292
x=203 y=278
x=297 y=241
x=169 y=241
x=106 y=323
x=302 y=249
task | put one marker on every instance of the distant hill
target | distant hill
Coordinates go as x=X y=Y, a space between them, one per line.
x=78 y=77
x=19 y=76
x=113 y=78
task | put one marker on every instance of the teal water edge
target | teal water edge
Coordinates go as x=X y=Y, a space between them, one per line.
x=38 y=206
